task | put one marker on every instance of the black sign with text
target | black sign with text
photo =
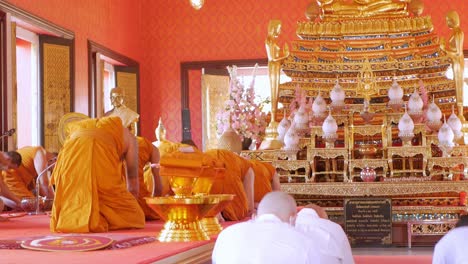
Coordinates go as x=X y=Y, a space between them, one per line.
x=368 y=221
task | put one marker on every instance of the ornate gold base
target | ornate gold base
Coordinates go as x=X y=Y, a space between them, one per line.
x=211 y=225
x=181 y=231
x=270 y=144
x=270 y=141
x=183 y=214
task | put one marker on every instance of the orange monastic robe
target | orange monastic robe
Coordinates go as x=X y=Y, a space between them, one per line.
x=236 y=168
x=21 y=181
x=90 y=188
x=145 y=149
x=263 y=176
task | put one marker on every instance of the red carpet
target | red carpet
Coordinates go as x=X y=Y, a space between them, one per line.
x=33 y=226
x=393 y=259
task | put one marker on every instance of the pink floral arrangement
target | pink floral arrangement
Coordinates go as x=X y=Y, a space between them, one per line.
x=244 y=115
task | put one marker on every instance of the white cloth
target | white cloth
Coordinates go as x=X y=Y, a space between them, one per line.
x=265 y=240
x=333 y=240
x=452 y=249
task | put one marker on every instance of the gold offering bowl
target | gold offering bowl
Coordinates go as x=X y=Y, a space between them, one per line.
x=205 y=181
x=182 y=180
x=210 y=223
x=183 y=215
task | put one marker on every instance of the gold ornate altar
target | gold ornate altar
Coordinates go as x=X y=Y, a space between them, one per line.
x=366 y=47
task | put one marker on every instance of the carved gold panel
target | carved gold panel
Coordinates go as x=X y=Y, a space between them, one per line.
x=270 y=155
x=56 y=91
x=128 y=81
x=355 y=189
x=214 y=95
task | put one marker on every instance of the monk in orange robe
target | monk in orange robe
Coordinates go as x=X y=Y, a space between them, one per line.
x=28 y=163
x=91 y=192
x=266 y=179
x=147 y=155
x=238 y=180
x=7 y=198
x=4 y=160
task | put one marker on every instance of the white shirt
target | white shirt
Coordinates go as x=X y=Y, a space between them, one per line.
x=265 y=239
x=331 y=237
x=452 y=248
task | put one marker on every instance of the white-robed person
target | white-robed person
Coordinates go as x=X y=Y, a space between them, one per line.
x=270 y=237
x=451 y=248
x=313 y=221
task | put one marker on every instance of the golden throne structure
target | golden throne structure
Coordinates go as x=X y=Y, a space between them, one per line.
x=365 y=46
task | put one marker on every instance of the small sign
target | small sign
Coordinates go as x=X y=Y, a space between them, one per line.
x=368 y=221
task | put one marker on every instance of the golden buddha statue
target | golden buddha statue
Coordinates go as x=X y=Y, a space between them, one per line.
x=160 y=133
x=455 y=52
x=129 y=117
x=416 y=7
x=275 y=59
x=363 y=8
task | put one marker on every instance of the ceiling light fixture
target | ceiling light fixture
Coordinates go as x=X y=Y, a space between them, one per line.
x=197 y=4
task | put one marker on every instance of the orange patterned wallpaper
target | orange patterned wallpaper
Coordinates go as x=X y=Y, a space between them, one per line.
x=162 y=33
x=113 y=23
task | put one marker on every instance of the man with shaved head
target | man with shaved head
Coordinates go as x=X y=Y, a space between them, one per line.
x=269 y=237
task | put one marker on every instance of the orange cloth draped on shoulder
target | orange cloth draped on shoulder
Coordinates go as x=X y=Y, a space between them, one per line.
x=90 y=189
x=236 y=168
x=145 y=149
x=21 y=181
x=263 y=176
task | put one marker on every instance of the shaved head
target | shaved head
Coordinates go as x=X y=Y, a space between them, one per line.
x=280 y=204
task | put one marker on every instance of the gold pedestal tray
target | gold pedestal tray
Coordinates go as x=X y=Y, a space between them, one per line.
x=182 y=216
x=210 y=223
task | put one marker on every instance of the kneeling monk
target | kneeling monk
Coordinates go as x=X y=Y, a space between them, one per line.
x=238 y=180
x=90 y=188
x=266 y=180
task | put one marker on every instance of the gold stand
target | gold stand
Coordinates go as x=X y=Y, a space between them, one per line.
x=178 y=231
x=270 y=141
x=211 y=225
x=183 y=216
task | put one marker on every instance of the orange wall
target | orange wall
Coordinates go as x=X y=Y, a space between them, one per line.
x=112 y=23
x=162 y=33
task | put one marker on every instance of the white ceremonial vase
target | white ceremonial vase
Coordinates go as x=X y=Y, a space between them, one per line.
x=455 y=123
x=291 y=139
x=337 y=95
x=446 y=135
x=415 y=103
x=283 y=127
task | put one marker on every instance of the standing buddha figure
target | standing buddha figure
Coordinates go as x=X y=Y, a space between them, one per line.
x=455 y=52
x=275 y=60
